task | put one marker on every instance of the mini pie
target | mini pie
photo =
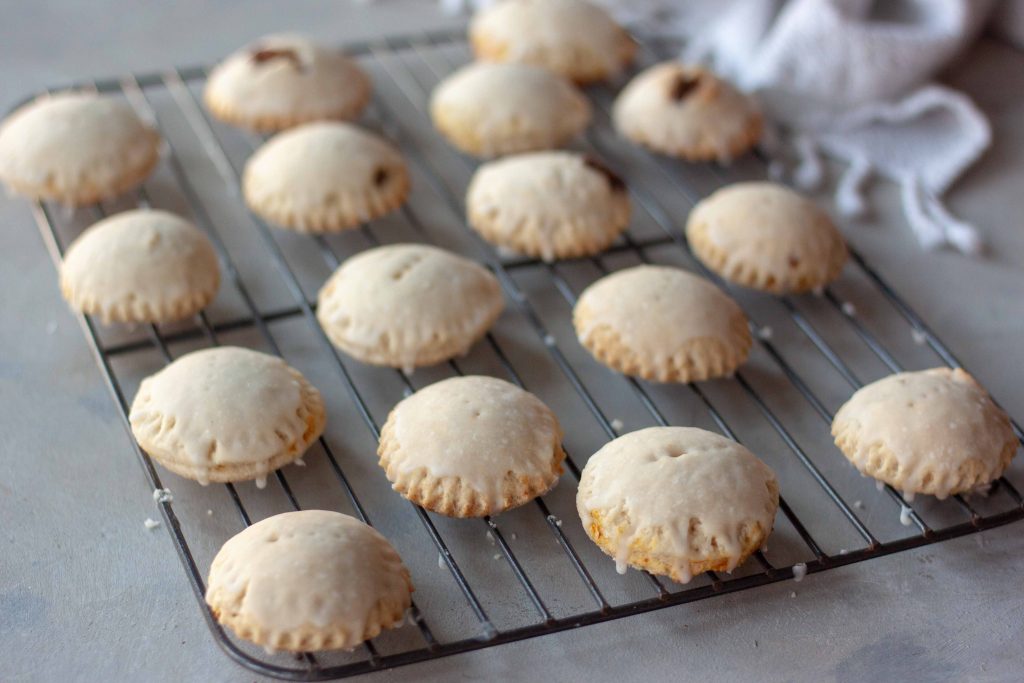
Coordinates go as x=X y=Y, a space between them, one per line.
x=548 y=205
x=408 y=305
x=766 y=236
x=662 y=324
x=283 y=80
x=308 y=580
x=140 y=266
x=574 y=38
x=688 y=112
x=934 y=431
x=677 y=501
x=226 y=414
x=76 y=148
x=471 y=446
x=325 y=177
x=488 y=109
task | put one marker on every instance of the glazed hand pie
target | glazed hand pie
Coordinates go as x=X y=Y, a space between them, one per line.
x=677 y=501
x=548 y=205
x=285 y=80
x=934 y=431
x=408 y=305
x=226 y=414
x=766 y=236
x=325 y=177
x=309 y=580
x=140 y=266
x=76 y=148
x=662 y=324
x=687 y=112
x=471 y=446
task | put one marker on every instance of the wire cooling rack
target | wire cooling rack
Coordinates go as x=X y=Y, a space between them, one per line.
x=525 y=574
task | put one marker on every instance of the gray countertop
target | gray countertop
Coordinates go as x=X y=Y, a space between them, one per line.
x=87 y=594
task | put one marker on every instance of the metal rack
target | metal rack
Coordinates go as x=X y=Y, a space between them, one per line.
x=537 y=576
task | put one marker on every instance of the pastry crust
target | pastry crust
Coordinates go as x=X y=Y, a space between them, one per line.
x=935 y=432
x=76 y=148
x=687 y=112
x=408 y=305
x=284 y=80
x=662 y=324
x=765 y=236
x=309 y=580
x=489 y=109
x=226 y=414
x=548 y=205
x=325 y=177
x=140 y=266
x=574 y=38
x=677 y=501
x=471 y=446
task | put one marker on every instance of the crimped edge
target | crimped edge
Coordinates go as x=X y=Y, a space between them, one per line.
x=134 y=310
x=746 y=274
x=699 y=359
x=646 y=552
x=875 y=459
x=89 y=193
x=311 y=410
x=389 y=612
x=450 y=496
x=579 y=238
x=349 y=211
x=228 y=113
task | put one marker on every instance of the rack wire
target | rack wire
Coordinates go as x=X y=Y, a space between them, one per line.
x=811 y=352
